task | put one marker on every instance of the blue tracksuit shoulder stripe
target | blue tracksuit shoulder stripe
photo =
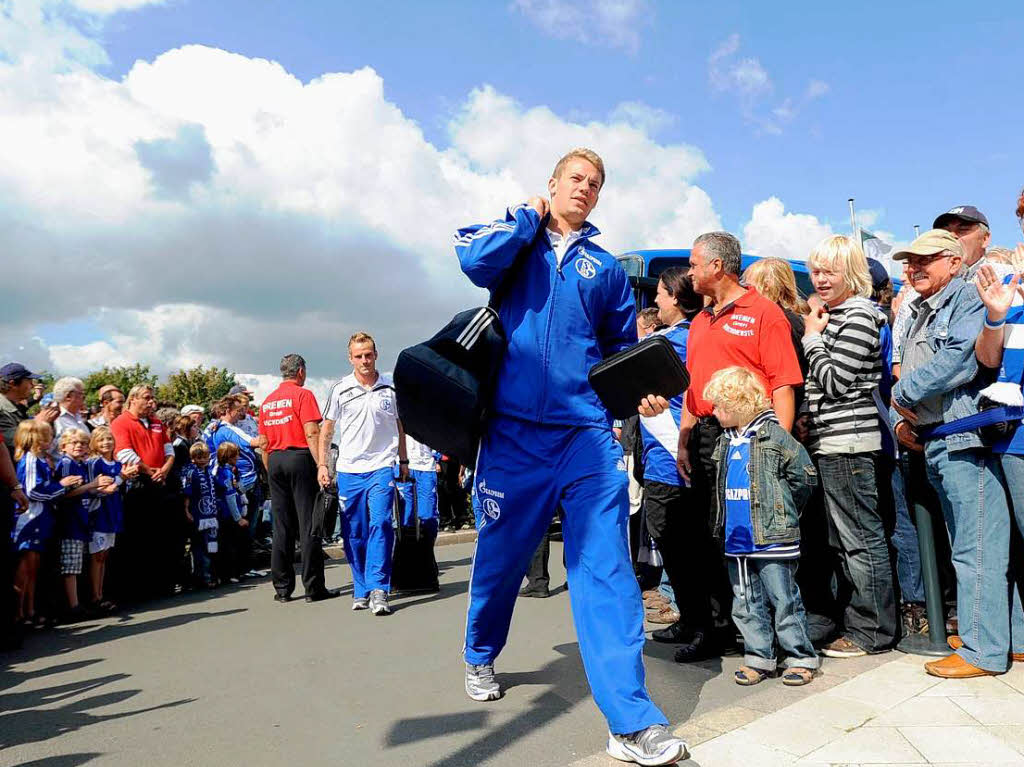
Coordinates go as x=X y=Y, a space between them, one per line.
x=560 y=320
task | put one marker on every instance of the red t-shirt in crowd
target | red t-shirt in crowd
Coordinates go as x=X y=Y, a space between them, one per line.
x=130 y=433
x=751 y=332
x=283 y=414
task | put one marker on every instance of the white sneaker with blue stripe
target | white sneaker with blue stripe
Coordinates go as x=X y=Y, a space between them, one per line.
x=652 y=746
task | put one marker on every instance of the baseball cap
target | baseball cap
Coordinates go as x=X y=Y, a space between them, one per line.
x=15 y=371
x=190 y=409
x=931 y=243
x=879 y=276
x=239 y=389
x=963 y=212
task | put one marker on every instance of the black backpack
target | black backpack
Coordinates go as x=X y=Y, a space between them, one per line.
x=444 y=385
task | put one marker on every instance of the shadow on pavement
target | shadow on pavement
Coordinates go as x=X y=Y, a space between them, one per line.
x=36 y=725
x=426 y=727
x=565 y=688
x=67 y=760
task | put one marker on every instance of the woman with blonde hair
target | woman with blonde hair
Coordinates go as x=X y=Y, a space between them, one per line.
x=773 y=279
x=843 y=347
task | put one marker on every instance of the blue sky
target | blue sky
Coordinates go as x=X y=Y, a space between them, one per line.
x=222 y=210
x=920 y=115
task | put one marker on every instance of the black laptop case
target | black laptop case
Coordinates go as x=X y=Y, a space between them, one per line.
x=624 y=379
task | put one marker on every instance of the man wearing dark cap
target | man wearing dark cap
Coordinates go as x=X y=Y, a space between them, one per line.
x=969 y=225
x=16 y=382
x=939 y=384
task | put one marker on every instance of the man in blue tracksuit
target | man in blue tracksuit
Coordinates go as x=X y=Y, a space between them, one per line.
x=567 y=305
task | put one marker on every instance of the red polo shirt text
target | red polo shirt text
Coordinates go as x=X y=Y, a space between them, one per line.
x=283 y=415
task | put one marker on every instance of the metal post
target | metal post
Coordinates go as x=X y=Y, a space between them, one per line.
x=935 y=643
x=917 y=231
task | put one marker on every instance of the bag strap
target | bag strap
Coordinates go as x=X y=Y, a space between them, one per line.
x=498 y=294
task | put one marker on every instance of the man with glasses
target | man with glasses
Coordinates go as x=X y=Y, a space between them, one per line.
x=939 y=384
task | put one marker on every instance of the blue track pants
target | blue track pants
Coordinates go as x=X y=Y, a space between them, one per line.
x=367 y=525
x=524 y=472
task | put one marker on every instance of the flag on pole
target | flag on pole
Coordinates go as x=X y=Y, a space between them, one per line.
x=878 y=249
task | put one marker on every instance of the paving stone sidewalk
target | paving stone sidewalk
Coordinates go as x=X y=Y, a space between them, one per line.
x=892 y=714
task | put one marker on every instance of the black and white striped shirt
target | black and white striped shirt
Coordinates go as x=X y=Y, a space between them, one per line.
x=845 y=367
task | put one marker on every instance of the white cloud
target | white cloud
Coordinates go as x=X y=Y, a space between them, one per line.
x=614 y=22
x=650 y=119
x=754 y=88
x=214 y=209
x=105 y=7
x=773 y=232
x=816 y=89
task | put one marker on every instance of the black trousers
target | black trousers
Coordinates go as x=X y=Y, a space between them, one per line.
x=293 y=489
x=147 y=559
x=702 y=564
x=537 y=577
x=669 y=521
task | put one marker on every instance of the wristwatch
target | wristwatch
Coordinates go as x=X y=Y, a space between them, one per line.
x=403 y=463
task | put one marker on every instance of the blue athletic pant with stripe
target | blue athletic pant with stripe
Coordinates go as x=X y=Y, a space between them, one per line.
x=524 y=472
x=425 y=505
x=367 y=524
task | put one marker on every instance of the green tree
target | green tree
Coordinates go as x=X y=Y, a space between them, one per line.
x=198 y=386
x=124 y=378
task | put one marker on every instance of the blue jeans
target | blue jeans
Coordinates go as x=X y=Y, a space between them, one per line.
x=857 y=530
x=1013 y=469
x=761 y=587
x=904 y=539
x=971 y=488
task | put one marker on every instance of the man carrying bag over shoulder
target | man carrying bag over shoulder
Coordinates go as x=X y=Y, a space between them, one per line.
x=567 y=305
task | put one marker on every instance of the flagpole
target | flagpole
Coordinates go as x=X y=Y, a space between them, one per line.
x=853 y=217
x=917 y=231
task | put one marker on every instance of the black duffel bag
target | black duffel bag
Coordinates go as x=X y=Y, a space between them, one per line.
x=444 y=385
x=325 y=512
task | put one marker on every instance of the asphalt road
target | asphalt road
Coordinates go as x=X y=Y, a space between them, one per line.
x=232 y=678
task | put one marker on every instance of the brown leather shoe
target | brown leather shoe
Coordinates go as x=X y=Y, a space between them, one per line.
x=955 y=667
x=955 y=643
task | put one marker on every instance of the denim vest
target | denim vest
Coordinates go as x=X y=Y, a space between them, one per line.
x=782 y=478
x=953 y=372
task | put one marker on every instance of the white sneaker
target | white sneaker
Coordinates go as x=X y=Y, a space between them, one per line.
x=652 y=746
x=360 y=603
x=379 y=603
x=480 y=682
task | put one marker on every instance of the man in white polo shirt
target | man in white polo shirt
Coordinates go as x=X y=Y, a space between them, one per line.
x=369 y=438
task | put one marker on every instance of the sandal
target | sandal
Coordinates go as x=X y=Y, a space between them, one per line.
x=798 y=676
x=747 y=676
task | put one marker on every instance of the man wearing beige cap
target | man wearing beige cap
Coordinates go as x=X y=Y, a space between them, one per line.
x=939 y=384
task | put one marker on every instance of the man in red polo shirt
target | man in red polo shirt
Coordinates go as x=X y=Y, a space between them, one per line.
x=739 y=327
x=290 y=421
x=152 y=544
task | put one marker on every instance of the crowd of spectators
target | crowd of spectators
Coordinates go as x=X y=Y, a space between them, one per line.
x=883 y=398
x=135 y=498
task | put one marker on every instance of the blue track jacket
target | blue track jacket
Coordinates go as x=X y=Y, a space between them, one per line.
x=560 y=321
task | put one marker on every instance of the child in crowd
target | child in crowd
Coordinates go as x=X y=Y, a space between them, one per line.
x=34 y=527
x=74 y=511
x=759 y=518
x=201 y=511
x=230 y=508
x=107 y=518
